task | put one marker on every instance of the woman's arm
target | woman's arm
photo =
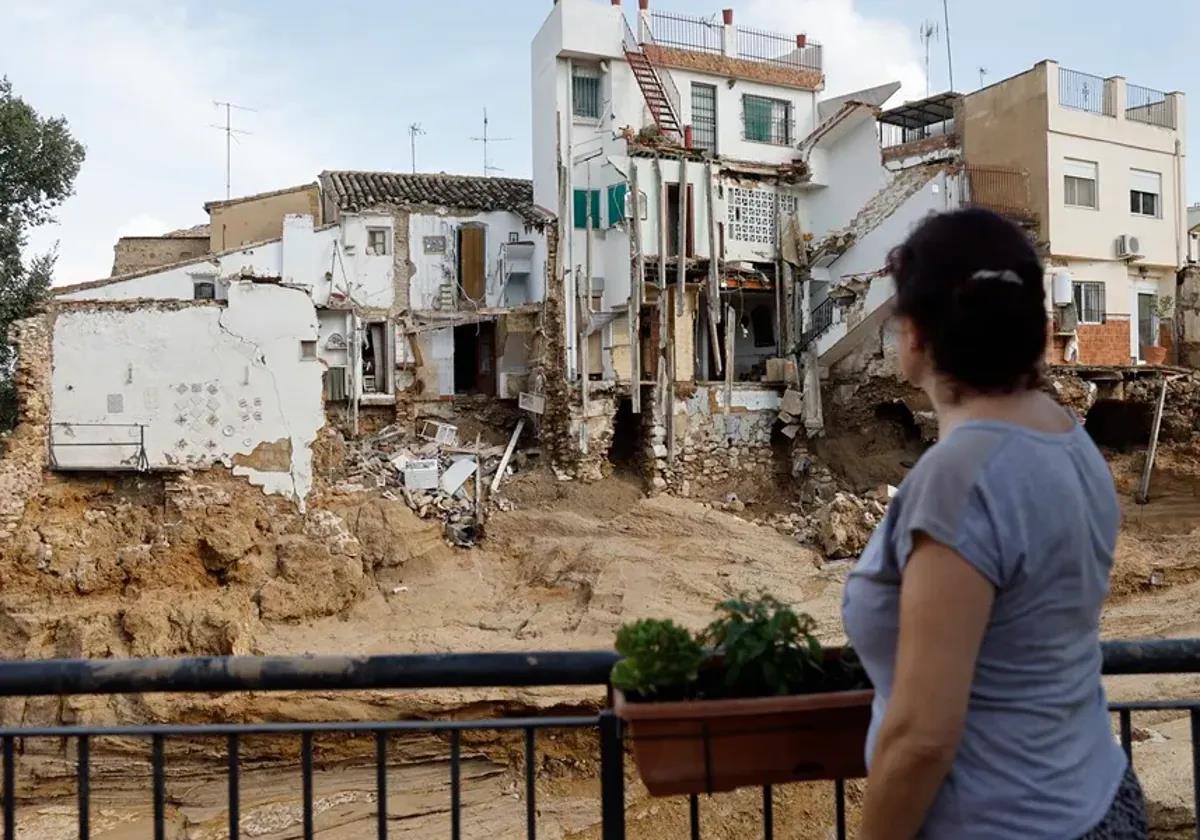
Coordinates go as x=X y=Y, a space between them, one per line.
x=944 y=608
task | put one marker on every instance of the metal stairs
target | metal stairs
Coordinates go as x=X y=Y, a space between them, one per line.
x=654 y=92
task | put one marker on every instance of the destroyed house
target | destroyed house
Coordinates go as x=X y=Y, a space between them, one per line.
x=470 y=256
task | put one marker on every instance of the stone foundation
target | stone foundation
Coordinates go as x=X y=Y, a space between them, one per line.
x=23 y=455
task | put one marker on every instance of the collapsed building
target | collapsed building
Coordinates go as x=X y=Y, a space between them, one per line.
x=691 y=285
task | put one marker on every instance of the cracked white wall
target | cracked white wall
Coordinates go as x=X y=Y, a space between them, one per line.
x=205 y=384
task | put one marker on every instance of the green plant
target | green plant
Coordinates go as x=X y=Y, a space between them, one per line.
x=765 y=647
x=660 y=657
x=756 y=647
x=1164 y=307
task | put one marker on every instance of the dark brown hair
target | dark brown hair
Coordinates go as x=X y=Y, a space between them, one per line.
x=972 y=284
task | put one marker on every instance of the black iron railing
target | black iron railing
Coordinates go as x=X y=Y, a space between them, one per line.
x=1147 y=105
x=125 y=440
x=777 y=48
x=230 y=674
x=822 y=319
x=1084 y=92
x=686 y=32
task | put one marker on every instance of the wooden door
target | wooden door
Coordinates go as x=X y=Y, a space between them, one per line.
x=471 y=262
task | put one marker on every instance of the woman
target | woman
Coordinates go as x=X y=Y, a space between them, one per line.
x=976 y=605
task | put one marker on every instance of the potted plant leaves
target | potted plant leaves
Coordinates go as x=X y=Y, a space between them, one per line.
x=751 y=700
x=1164 y=309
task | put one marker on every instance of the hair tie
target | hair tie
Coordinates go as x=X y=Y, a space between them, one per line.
x=1007 y=275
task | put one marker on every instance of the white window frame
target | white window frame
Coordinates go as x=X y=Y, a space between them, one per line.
x=1079 y=165
x=1139 y=180
x=384 y=234
x=1079 y=296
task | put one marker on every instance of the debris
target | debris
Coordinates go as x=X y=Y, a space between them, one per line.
x=512 y=445
x=396 y=590
x=442 y=434
x=421 y=475
x=845 y=524
x=792 y=402
x=791 y=430
x=456 y=475
x=533 y=403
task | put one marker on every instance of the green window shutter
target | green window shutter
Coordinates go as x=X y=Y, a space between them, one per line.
x=580 y=209
x=757 y=112
x=597 y=219
x=616 y=204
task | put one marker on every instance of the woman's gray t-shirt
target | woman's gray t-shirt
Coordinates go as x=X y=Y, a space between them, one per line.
x=1037 y=515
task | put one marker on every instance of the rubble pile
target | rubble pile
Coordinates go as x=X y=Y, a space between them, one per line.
x=433 y=474
x=844 y=525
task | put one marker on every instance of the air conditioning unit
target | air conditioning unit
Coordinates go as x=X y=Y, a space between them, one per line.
x=1128 y=246
x=335 y=383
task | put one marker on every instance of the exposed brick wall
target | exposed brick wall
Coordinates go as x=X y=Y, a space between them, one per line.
x=723 y=65
x=921 y=147
x=138 y=253
x=1104 y=344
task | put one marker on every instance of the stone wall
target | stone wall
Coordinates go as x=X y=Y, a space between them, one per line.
x=1104 y=344
x=711 y=448
x=921 y=147
x=23 y=455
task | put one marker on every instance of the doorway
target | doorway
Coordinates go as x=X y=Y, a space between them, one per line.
x=1147 y=323
x=472 y=262
x=475 y=359
x=673 y=221
x=627 y=437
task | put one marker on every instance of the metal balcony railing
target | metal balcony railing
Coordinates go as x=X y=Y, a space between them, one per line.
x=62 y=678
x=1147 y=105
x=1084 y=92
x=777 y=48
x=822 y=319
x=1004 y=191
x=98 y=446
x=686 y=32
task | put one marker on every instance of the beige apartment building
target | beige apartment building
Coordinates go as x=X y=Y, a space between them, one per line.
x=1105 y=160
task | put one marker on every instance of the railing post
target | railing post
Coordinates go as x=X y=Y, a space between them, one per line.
x=612 y=778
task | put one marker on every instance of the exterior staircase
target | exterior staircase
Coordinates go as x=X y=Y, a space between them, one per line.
x=658 y=89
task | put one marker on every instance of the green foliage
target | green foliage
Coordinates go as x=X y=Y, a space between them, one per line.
x=659 y=656
x=1164 y=307
x=765 y=647
x=756 y=647
x=39 y=160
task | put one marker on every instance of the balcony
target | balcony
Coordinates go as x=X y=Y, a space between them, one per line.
x=919 y=129
x=164 y=768
x=1112 y=97
x=716 y=45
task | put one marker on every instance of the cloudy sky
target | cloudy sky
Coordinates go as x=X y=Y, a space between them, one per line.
x=335 y=85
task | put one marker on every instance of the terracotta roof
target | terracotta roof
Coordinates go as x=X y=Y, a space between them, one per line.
x=353 y=191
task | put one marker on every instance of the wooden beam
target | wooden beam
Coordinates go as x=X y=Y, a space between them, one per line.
x=681 y=268
x=1143 y=494
x=636 y=288
x=729 y=326
x=714 y=274
x=508 y=453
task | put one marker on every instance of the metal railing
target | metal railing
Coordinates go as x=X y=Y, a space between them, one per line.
x=822 y=319
x=891 y=135
x=777 y=48
x=686 y=32
x=1004 y=191
x=1084 y=92
x=333 y=673
x=122 y=437
x=670 y=89
x=1147 y=105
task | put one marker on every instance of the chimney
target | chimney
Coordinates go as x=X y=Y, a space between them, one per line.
x=801 y=41
x=616 y=2
x=687 y=136
x=643 y=4
x=728 y=15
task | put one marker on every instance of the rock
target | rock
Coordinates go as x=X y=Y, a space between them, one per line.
x=845 y=524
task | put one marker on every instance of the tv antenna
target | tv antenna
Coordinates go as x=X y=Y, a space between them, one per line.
x=949 y=53
x=929 y=32
x=413 y=131
x=230 y=134
x=983 y=71
x=485 y=139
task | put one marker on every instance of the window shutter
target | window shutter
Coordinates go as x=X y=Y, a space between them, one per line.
x=1085 y=169
x=597 y=219
x=580 y=209
x=1143 y=181
x=616 y=204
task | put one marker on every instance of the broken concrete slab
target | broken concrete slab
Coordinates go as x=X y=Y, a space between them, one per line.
x=456 y=475
x=792 y=402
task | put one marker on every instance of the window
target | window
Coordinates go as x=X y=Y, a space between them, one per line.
x=767 y=120
x=1144 y=191
x=204 y=290
x=704 y=117
x=581 y=209
x=616 y=204
x=377 y=242
x=1079 y=183
x=1089 y=302
x=585 y=92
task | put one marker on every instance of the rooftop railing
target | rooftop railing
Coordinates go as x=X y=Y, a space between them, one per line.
x=1084 y=92
x=1147 y=105
x=708 y=35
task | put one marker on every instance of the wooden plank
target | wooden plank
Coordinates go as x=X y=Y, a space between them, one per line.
x=508 y=453
x=478 y=482
x=636 y=289
x=1143 y=495
x=714 y=278
x=684 y=230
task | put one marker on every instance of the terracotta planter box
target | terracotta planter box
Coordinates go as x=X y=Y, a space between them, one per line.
x=705 y=746
x=1155 y=355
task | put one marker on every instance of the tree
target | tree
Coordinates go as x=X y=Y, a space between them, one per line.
x=39 y=160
